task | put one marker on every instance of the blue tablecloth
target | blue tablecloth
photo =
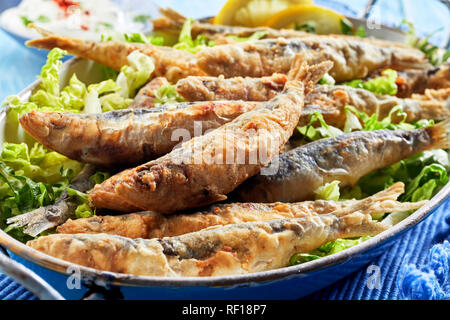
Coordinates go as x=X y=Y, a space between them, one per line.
x=19 y=67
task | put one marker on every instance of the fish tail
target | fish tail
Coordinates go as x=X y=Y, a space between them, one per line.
x=308 y=68
x=110 y=53
x=175 y=18
x=440 y=134
x=384 y=201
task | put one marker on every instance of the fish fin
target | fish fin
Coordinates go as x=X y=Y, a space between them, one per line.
x=170 y=21
x=384 y=201
x=440 y=134
x=41 y=219
x=42 y=31
x=308 y=68
x=173 y=16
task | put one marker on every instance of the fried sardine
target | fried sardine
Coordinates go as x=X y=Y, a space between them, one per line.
x=225 y=250
x=346 y=158
x=206 y=168
x=149 y=225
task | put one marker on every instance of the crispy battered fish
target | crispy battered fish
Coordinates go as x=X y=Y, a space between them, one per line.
x=147 y=94
x=417 y=81
x=149 y=225
x=328 y=100
x=206 y=168
x=172 y=22
x=237 y=88
x=345 y=158
x=352 y=58
x=216 y=251
x=170 y=63
x=44 y=218
x=331 y=100
x=128 y=136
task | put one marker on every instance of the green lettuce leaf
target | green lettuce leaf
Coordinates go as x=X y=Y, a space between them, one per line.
x=185 y=41
x=133 y=38
x=431 y=51
x=99 y=177
x=136 y=74
x=326 y=250
x=327 y=79
x=167 y=94
x=415 y=172
x=255 y=36
x=384 y=85
x=315 y=133
x=330 y=191
x=39 y=163
x=83 y=210
x=141 y=38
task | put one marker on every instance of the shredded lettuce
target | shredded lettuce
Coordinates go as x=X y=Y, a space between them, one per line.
x=326 y=250
x=31 y=177
x=103 y=96
x=136 y=74
x=167 y=94
x=330 y=191
x=423 y=174
x=99 y=177
x=37 y=163
x=327 y=79
x=133 y=38
x=83 y=209
x=431 y=51
x=141 y=38
x=357 y=120
x=384 y=85
x=306 y=27
x=315 y=133
x=185 y=41
x=348 y=29
x=255 y=36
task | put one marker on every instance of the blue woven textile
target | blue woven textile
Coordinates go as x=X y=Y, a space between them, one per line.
x=19 y=67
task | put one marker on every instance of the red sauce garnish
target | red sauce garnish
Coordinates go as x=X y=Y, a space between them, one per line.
x=84 y=27
x=87 y=12
x=66 y=4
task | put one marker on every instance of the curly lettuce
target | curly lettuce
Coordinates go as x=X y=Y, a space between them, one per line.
x=187 y=43
x=326 y=250
x=424 y=174
x=384 y=85
x=135 y=74
x=255 y=36
x=31 y=175
x=431 y=51
x=167 y=94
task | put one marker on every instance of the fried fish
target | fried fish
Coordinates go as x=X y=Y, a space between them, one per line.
x=345 y=158
x=149 y=225
x=206 y=168
x=224 y=250
x=170 y=63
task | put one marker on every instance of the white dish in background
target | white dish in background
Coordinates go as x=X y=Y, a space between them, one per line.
x=88 y=21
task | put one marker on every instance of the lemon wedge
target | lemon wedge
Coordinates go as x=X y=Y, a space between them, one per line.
x=308 y=18
x=253 y=13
